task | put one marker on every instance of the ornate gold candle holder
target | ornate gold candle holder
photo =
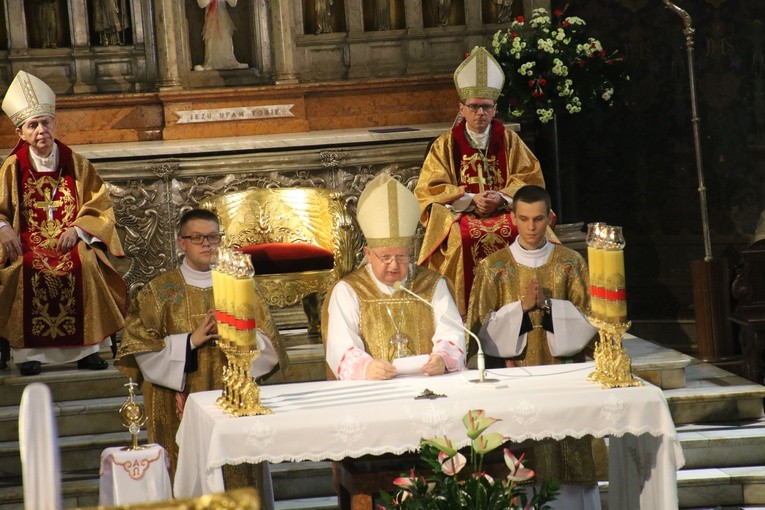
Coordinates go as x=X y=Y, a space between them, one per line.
x=241 y=394
x=613 y=366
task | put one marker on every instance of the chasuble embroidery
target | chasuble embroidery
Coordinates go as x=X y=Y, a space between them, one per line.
x=377 y=329
x=48 y=208
x=454 y=241
x=50 y=293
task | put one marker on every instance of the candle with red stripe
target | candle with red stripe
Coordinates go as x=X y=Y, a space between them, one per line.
x=595 y=234
x=244 y=301
x=615 y=279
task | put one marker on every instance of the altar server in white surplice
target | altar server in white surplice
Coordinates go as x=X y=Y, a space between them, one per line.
x=527 y=305
x=170 y=344
x=372 y=327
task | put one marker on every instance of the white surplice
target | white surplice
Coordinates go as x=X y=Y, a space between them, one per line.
x=500 y=332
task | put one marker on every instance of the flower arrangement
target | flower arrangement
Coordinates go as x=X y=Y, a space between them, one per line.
x=444 y=489
x=551 y=66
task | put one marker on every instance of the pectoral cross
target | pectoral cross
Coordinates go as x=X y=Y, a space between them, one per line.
x=478 y=180
x=49 y=204
x=399 y=341
x=482 y=171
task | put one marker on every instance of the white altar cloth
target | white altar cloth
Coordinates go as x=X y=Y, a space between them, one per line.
x=332 y=420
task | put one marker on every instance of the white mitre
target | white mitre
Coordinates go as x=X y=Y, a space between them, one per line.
x=27 y=97
x=479 y=75
x=388 y=213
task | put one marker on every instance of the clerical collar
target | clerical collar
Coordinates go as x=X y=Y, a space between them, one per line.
x=479 y=140
x=386 y=289
x=47 y=164
x=531 y=258
x=194 y=277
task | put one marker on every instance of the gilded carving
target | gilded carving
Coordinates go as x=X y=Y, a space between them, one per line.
x=149 y=199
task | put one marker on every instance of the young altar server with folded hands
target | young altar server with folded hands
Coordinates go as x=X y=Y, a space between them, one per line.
x=527 y=306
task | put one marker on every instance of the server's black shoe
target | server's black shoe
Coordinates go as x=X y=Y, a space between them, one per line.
x=92 y=362
x=30 y=368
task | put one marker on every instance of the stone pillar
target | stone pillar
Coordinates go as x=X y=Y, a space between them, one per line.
x=165 y=23
x=80 y=34
x=283 y=28
x=416 y=55
x=474 y=24
x=358 y=43
x=17 y=34
x=530 y=5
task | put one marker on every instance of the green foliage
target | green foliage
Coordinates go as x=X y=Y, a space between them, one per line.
x=444 y=489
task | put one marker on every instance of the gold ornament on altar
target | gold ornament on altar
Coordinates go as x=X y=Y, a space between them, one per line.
x=133 y=417
x=235 y=299
x=608 y=309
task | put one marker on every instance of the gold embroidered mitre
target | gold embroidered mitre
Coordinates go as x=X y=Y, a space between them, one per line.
x=479 y=75
x=388 y=213
x=27 y=97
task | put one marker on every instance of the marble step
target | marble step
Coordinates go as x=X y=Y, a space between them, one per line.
x=721 y=486
x=79 y=489
x=739 y=487
x=77 y=453
x=656 y=364
x=318 y=503
x=731 y=444
x=66 y=382
x=714 y=395
x=305 y=485
x=73 y=417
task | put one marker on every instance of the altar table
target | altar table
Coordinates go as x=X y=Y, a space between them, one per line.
x=332 y=420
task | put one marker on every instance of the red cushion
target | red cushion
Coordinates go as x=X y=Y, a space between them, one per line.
x=270 y=258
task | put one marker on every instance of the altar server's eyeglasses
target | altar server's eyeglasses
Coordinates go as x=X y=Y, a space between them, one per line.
x=199 y=239
x=487 y=108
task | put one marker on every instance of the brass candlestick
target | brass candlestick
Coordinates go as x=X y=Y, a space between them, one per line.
x=237 y=332
x=241 y=394
x=133 y=417
x=613 y=366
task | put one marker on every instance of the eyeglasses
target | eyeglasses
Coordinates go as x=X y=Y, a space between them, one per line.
x=199 y=239
x=388 y=259
x=487 y=108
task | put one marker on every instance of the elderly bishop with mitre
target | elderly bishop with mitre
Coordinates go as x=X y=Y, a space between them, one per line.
x=61 y=295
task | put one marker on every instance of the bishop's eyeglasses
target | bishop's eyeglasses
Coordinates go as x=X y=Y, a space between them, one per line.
x=389 y=259
x=487 y=108
x=199 y=239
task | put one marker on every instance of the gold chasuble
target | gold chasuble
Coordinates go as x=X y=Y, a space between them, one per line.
x=52 y=299
x=396 y=325
x=498 y=281
x=454 y=241
x=164 y=307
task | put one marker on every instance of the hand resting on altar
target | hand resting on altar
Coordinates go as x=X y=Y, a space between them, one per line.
x=379 y=370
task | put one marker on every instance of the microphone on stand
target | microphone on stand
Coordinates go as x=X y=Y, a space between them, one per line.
x=481 y=361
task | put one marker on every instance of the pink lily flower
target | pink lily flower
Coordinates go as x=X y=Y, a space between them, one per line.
x=405 y=482
x=518 y=473
x=451 y=465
